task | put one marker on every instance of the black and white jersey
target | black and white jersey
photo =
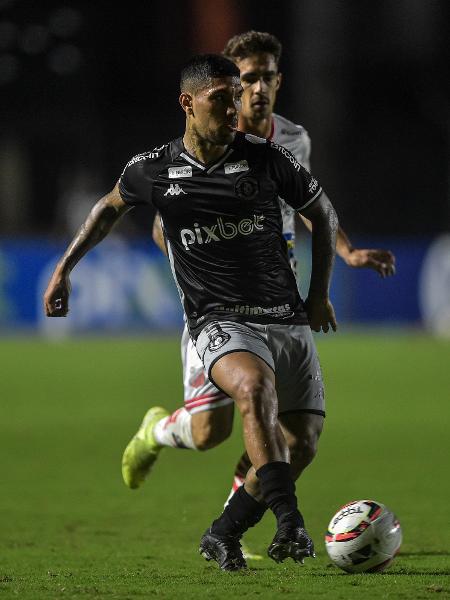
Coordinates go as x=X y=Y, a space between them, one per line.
x=223 y=227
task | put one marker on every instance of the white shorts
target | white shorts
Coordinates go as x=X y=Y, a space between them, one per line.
x=199 y=393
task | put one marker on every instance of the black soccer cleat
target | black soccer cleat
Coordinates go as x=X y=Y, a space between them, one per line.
x=225 y=550
x=291 y=542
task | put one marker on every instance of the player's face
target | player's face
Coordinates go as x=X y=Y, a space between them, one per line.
x=260 y=81
x=215 y=110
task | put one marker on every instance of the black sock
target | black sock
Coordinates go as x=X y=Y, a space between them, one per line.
x=278 y=491
x=242 y=512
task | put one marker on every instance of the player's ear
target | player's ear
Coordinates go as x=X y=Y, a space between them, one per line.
x=279 y=80
x=186 y=103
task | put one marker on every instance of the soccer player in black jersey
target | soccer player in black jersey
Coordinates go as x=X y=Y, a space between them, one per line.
x=207 y=416
x=217 y=193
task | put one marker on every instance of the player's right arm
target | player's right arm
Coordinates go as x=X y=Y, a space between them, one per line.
x=300 y=190
x=103 y=216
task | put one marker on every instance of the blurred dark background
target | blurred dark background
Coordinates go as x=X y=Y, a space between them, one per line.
x=86 y=85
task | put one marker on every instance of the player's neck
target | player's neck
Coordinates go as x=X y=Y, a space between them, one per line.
x=261 y=127
x=201 y=149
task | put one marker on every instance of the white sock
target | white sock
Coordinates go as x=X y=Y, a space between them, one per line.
x=175 y=430
x=237 y=482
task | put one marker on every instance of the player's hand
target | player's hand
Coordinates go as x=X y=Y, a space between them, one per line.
x=381 y=261
x=320 y=313
x=56 y=297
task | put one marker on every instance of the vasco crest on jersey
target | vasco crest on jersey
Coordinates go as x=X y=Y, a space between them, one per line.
x=247 y=188
x=217 y=336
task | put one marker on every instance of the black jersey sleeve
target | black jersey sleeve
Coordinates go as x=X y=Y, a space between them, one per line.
x=295 y=184
x=134 y=186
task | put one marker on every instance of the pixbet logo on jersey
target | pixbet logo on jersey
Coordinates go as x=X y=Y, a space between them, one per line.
x=221 y=230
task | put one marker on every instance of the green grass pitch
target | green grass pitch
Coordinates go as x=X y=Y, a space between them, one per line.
x=70 y=528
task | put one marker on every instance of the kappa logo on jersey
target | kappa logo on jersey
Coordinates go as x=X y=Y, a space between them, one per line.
x=221 y=230
x=176 y=172
x=217 y=336
x=174 y=189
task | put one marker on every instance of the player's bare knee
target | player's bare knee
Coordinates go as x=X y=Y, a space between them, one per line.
x=302 y=432
x=210 y=428
x=209 y=436
x=256 y=397
x=303 y=450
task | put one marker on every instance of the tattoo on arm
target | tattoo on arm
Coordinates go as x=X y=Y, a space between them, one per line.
x=324 y=230
x=98 y=224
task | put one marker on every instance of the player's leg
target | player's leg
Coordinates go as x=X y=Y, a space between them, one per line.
x=301 y=400
x=204 y=422
x=206 y=419
x=301 y=430
x=240 y=473
x=242 y=370
x=221 y=541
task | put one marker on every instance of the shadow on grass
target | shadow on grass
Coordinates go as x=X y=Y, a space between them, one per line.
x=335 y=573
x=437 y=553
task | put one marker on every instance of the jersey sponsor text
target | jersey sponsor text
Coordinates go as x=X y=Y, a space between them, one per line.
x=282 y=311
x=221 y=230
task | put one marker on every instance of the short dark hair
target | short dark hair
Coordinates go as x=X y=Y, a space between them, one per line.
x=202 y=68
x=252 y=42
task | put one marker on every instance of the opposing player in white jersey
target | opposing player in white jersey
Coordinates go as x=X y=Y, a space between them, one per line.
x=207 y=416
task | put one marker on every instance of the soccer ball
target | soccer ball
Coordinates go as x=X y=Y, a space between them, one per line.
x=363 y=536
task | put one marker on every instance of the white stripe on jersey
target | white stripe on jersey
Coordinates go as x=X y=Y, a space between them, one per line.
x=172 y=267
x=192 y=161
x=295 y=139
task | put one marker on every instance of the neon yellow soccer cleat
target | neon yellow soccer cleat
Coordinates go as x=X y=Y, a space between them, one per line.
x=143 y=450
x=248 y=554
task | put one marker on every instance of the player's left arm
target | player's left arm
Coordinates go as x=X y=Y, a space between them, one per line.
x=380 y=260
x=297 y=187
x=324 y=222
